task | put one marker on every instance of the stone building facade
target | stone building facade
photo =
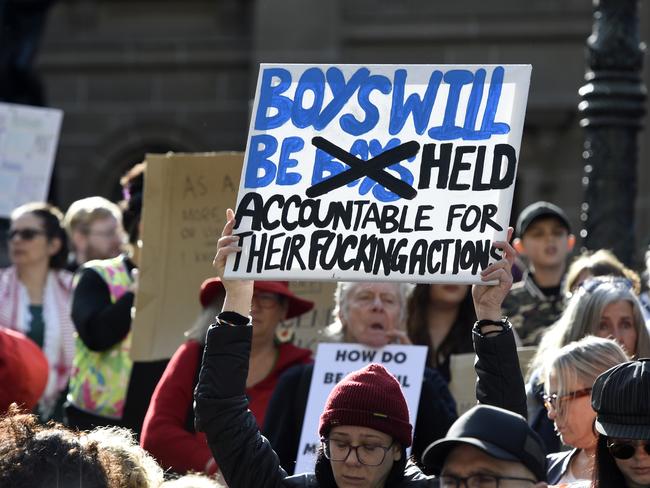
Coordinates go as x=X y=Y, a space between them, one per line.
x=137 y=76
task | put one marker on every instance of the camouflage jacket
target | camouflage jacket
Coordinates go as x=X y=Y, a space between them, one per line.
x=531 y=311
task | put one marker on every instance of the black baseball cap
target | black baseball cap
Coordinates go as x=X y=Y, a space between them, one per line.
x=538 y=210
x=621 y=399
x=497 y=432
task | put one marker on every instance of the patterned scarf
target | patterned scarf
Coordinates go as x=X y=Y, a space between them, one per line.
x=58 y=344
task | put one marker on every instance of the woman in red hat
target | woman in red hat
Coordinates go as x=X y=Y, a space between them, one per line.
x=168 y=431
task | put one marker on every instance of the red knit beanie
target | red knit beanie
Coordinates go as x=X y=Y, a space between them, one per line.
x=370 y=397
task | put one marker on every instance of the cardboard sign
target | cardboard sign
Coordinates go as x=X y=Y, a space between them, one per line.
x=29 y=137
x=333 y=363
x=307 y=328
x=379 y=172
x=185 y=201
x=463 y=376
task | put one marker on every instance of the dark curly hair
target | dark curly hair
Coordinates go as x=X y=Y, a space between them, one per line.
x=51 y=219
x=133 y=191
x=41 y=456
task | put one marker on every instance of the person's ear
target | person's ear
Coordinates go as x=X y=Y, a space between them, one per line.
x=397 y=452
x=79 y=240
x=54 y=246
x=518 y=245
x=571 y=241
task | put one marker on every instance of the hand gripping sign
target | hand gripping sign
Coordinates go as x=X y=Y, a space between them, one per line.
x=373 y=172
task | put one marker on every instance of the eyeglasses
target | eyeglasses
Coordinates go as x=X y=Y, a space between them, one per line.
x=552 y=401
x=266 y=300
x=626 y=450
x=106 y=234
x=368 y=454
x=592 y=284
x=24 y=234
x=481 y=481
x=369 y=299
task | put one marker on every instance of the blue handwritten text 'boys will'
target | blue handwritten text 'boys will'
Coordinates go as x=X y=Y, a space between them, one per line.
x=275 y=108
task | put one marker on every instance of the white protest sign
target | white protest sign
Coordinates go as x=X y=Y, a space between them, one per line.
x=357 y=172
x=333 y=363
x=28 y=140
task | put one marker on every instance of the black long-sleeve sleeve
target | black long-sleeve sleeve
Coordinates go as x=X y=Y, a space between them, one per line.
x=100 y=323
x=500 y=382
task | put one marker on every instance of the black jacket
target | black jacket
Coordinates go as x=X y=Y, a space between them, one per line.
x=286 y=412
x=244 y=456
x=500 y=382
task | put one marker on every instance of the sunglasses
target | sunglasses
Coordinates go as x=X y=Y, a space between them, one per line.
x=592 y=284
x=552 y=401
x=625 y=450
x=24 y=234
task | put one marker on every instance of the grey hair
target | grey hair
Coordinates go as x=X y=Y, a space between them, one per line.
x=582 y=362
x=582 y=316
x=336 y=331
x=206 y=318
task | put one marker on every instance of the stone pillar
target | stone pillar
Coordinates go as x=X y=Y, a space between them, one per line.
x=612 y=109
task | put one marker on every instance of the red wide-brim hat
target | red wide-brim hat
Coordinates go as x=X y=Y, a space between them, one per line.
x=296 y=306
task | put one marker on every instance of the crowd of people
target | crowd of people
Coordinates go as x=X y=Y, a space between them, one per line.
x=228 y=408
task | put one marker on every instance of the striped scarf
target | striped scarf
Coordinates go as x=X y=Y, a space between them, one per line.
x=58 y=344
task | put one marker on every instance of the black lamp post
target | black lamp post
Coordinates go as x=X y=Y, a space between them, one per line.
x=612 y=110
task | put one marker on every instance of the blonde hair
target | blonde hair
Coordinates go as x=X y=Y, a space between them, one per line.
x=82 y=213
x=581 y=362
x=137 y=469
x=195 y=481
x=599 y=263
x=582 y=317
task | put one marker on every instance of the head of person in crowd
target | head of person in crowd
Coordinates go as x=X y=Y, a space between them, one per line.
x=133 y=197
x=42 y=456
x=569 y=376
x=604 y=307
x=544 y=235
x=273 y=302
x=94 y=227
x=441 y=317
x=370 y=313
x=364 y=431
x=599 y=263
x=134 y=466
x=23 y=371
x=488 y=447
x=621 y=399
x=37 y=238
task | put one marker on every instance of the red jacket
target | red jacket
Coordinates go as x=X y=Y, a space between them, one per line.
x=164 y=433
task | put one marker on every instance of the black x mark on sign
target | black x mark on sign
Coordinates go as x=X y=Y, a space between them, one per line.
x=373 y=168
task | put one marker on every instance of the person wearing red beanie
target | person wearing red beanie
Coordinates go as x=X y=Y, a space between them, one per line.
x=365 y=425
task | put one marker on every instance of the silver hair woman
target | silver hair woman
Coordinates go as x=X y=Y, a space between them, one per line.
x=603 y=307
x=370 y=313
x=568 y=377
x=594 y=310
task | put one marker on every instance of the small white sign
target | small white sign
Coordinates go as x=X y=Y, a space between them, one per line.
x=333 y=363
x=29 y=137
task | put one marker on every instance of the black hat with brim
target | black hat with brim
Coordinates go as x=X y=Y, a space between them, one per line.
x=497 y=432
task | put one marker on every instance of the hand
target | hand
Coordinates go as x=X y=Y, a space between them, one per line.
x=488 y=299
x=239 y=293
x=398 y=337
